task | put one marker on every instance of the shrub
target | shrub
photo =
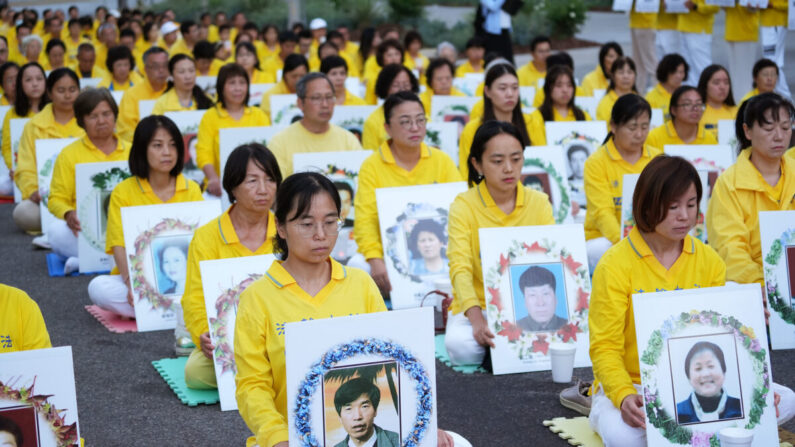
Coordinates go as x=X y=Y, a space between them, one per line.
x=406 y=10
x=564 y=17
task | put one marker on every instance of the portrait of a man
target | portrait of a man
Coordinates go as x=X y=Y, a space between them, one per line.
x=356 y=402
x=537 y=293
x=790 y=254
x=538 y=181
x=576 y=154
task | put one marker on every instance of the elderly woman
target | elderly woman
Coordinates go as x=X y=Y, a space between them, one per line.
x=95 y=112
x=705 y=368
x=31 y=48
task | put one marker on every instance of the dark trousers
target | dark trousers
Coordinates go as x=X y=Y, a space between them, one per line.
x=500 y=43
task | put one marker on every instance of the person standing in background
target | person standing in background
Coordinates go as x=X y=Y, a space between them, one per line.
x=773 y=34
x=742 y=35
x=643 y=27
x=497 y=28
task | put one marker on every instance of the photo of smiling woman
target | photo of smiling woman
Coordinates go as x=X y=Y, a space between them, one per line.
x=428 y=247
x=705 y=367
x=171 y=263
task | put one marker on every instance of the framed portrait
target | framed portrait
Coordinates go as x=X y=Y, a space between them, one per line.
x=355 y=86
x=545 y=169
x=145 y=107
x=576 y=138
x=188 y=124
x=284 y=110
x=713 y=158
x=777 y=230
x=588 y=104
x=352 y=118
x=381 y=382
x=526 y=96
x=454 y=109
x=229 y=139
x=443 y=136
x=89 y=82
x=727 y=133
x=157 y=239
x=704 y=365
x=47 y=151
x=255 y=93
x=413 y=222
x=537 y=287
x=37 y=396
x=117 y=95
x=15 y=128
x=223 y=280
x=94 y=182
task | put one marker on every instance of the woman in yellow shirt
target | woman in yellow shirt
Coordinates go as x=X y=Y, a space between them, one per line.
x=765 y=74
x=715 y=88
x=388 y=52
x=29 y=96
x=501 y=102
x=474 y=52
x=762 y=179
x=247 y=228
x=440 y=81
x=55 y=120
x=121 y=70
x=8 y=78
x=496 y=198
x=623 y=75
x=182 y=93
x=270 y=37
x=558 y=103
x=55 y=52
x=671 y=72
x=156 y=159
x=336 y=69
x=392 y=79
x=599 y=78
x=232 y=110
x=624 y=152
x=684 y=127
x=402 y=160
x=246 y=57
x=414 y=60
x=22 y=322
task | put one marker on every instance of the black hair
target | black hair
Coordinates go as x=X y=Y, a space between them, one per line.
x=227 y=72
x=267 y=27
x=344 y=186
x=627 y=108
x=352 y=389
x=144 y=132
x=203 y=50
x=475 y=42
x=436 y=64
x=428 y=226
x=517 y=117
x=536 y=276
x=668 y=66
x=56 y=76
x=305 y=34
x=681 y=90
x=54 y=42
x=560 y=58
x=331 y=62
x=618 y=64
x=397 y=99
x=294 y=197
x=8 y=425
x=237 y=162
x=147 y=28
x=127 y=32
x=576 y=148
x=21 y=102
x=249 y=26
x=334 y=34
x=75 y=21
x=250 y=47
x=410 y=37
x=388 y=75
x=753 y=111
x=7 y=66
x=202 y=101
x=386 y=45
x=118 y=53
x=612 y=45
x=366 y=42
x=760 y=65
x=707 y=75
x=293 y=61
x=547 y=107
x=151 y=52
x=487 y=131
x=704 y=346
x=537 y=40
x=178 y=243
x=287 y=36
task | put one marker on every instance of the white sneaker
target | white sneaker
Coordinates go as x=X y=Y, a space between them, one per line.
x=71 y=265
x=41 y=242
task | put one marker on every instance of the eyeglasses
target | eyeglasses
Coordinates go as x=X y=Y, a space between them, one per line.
x=309 y=229
x=408 y=123
x=321 y=99
x=694 y=107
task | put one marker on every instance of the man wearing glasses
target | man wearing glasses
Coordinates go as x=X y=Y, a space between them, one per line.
x=156 y=68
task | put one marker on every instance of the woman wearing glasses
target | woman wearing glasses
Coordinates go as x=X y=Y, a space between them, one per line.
x=685 y=126
x=402 y=160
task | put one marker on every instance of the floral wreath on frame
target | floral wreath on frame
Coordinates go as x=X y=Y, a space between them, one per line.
x=534 y=344
x=224 y=304
x=565 y=204
x=101 y=181
x=575 y=136
x=65 y=435
x=414 y=212
x=777 y=301
x=371 y=346
x=658 y=416
x=140 y=285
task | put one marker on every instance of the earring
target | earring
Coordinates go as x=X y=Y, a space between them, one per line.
x=480 y=176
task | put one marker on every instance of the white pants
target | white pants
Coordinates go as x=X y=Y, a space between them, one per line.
x=742 y=56
x=109 y=292
x=596 y=248
x=697 y=51
x=62 y=240
x=668 y=41
x=644 y=52
x=774 y=39
x=461 y=345
x=6 y=185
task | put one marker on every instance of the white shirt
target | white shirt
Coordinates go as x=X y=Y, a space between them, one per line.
x=370 y=441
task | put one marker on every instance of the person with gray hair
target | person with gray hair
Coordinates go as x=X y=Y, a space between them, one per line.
x=31 y=47
x=446 y=50
x=313 y=132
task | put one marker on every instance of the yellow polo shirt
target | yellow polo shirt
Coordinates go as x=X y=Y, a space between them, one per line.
x=6 y=144
x=22 y=327
x=97 y=71
x=604 y=179
x=642 y=20
x=666 y=21
x=279 y=89
x=109 y=83
x=476 y=209
x=169 y=102
x=272 y=65
x=216 y=118
x=630 y=267
x=538 y=132
x=180 y=47
x=529 y=75
x=468 y=135
x=296 y=139
x=666 y=134
x=742 y=25
x=263 y=77
x=265 y=306
x=466 y=68
x=712 y=115
x=373 y=133
x=129 y=115
x=753 y=92
x=380 y=170
x=216 y=239
x=699 y=21
x=775 y=14
x=353 y=100
x=659 y=98
x=604 y=110
x=596 y=79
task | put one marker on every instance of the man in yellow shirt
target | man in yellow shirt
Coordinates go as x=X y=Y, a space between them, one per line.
x=190 y=35
x=86 y=66
x=108 y=37
x=156 y=68
x=294 y=68
x=742 y=36
x=773 y=33
x=313 y=132
x=21 y=325
x=529 y=74
x=474 y=52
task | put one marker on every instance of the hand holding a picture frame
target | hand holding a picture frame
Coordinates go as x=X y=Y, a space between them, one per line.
x=632 y=411
x=379 y=274
x=480 y=327
x=72 y=221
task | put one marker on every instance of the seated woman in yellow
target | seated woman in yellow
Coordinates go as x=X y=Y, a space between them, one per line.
x=558 y=103
x=684 y=127
x=55 y=51
x=388 y=52
x=121 y=70
x=156 y=160
x=501 y=102
x=496 y=198
x=762 y=179
x=440 y=82
x=599 y=78
x=412 y=58
x=246 y=57
x=22 y=325
x=55 y=120
x=474 y=52
x=560 y=58
x=715 y=88
x=29 y=97
x=336 y=69
x=96 y=112
x=765 y=74
x=625 y=152
x=232 y=110
x=247 y=228
x=622 y=82
x=402 y=160
x=295 y=67
x=8 y=79
x=392 y=79
x=671 y=72
x=182 y=93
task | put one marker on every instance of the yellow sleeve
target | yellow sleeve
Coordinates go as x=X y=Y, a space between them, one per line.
x=449 y=173
x=459 y=252
x=34 y=331
x=194 y=192
x=114 y=235
x=254 y=379
x=371 y=133
x=654 y=139
x=600 y=201
x=62 y=185
x=207 y=144
x=193 y=299
x=128 y=116
x=160 y=106
x=6 y=143
x=367 y=232
x=25 y=175
x=538 y=134
x=260 y=119
x=606 y=322
x=547 y=213
x=604 y=109
x=464 y=147
x=589 y=82
x=704 y=9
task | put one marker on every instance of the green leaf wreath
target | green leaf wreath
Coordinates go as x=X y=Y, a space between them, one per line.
x=101 y=181
x=224 y=304
x=777 y=301
x=284 y=113
x=565 y=203
x=65 y=435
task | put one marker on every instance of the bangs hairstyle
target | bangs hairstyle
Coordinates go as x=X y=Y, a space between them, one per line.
x=54 y=42
x=294 y=198
x=487 y=131
x=294 y=61
x=664 y=180
x=618 y=64
x=752 y=112
x=388 y=75
x=704 y=346
x=118 y=53
x=627 y=108
x=707 y=75
x=397 y=99
x=237 y=164
x=437 y=64
x=547 y=107
x=56 y=76
x=760 y=65
x=89 y=99
x=668 y=66
x=517 y=117
x=226 y=73
x=250 y=48
x=331 y=62
x=605 y=50
x=21 y=101
x=386 y=45
x=676 y=95
x=202 y=101
x=352 y=389
x=144 y=132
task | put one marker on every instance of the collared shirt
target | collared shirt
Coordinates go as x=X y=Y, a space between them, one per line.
x=216 y=118
x=699 y=20
x=666 y=134
x=169 y=102
x=129 y=115
x=659 y=98
x=529 y=75
x=604 y=110
x=296 y=139
x=538 y=132
x=712 y=115
x=468 y=135
x=109 y=83
x=742 y=24
x=775 y=14
x=467 y=68
x=21 y=325
x=596 y=79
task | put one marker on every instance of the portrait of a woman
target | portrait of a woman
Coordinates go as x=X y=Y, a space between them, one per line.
x=428 y=244
x=172 y=261
x=705 y=367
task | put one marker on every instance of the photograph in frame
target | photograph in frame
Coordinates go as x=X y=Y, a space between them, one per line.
x=548 y=165
x=352 y=118
x=574 y=137
x=284 y=110
x=47 y=151
x=229 y=139
x=777 y=230
x=713 y=158
x=454 y=109
x=539 y=296
x=256 y=92
x=188 y=124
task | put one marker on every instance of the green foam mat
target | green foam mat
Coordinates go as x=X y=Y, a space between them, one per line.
x=441 y=354
x=173 y=372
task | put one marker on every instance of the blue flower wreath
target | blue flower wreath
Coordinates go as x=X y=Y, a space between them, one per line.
x=344 y=351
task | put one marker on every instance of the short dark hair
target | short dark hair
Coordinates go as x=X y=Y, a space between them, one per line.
x=475 y=42
x=576 y=148
x=397 y=99
x=331 y=62
x=707 y=75
x=536 y=276
x=618 y=64
x=127 y=32
x=411 y=37
x=560 y=58
x=118 y=53
x=327 y=43
x=227 y=72
x=54 y=42
x=753 y=110
x=388 y=75
x=287 y=36
x=56 y=76
x=436 y=64
x=668 y=66
x=681 y=90
x=250 y=47
x=627 y=108
x=144 y=132
x=334 y=34
x=704 y=346
x=605 y=49
x=89 y=99
x=237 y=162
x=293 y=61
x=151 y=52
x=662 y=182
x=487 y=131
x=86 y=46
x=203 y=50
x=302 y=85
x=428 y=226
x=8 y=425
x=760 y=65
x=352 y=389
x=384 y=46
x=537 y=40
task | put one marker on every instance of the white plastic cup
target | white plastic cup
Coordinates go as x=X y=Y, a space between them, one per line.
x=736 y=437
x=562 y=359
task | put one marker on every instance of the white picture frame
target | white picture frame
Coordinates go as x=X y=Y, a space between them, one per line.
x=188 y=123
x=647 y=6
x=47 y=150
x=230 y=138
x=546 y=167
x=255 y=93
x=713 y=158
x=727 y=134
x=452 y=109
x=15 y=127
x=284 y=109
x=352 y=118
x=443 y=136
x=467 y=85
x=89 y=82
x=777 y=231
